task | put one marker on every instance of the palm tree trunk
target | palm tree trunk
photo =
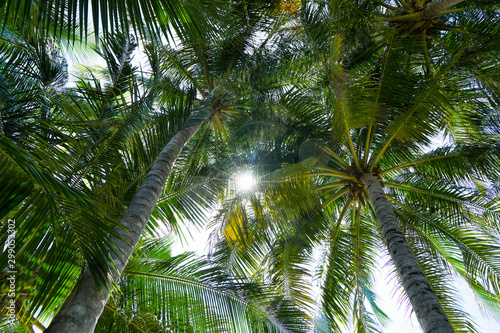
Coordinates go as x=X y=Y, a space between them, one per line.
x=434 y=8
x=428 y=310
x=82 y=309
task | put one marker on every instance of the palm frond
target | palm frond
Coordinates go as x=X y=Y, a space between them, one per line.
x=160 y=291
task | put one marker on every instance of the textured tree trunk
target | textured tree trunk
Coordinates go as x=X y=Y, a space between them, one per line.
x=434 y=8
x=428 y=310
x=82 y=309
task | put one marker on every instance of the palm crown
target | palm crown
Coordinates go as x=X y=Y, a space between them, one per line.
x=380 y=112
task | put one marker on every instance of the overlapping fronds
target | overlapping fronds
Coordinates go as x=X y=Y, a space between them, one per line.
x=327 y=91
x=58 y=225
x=348 y=262
x=400 y=90
x=267 y=234
x=183 y=293
x=63 y=207
x=149 y=17
x=30 y=71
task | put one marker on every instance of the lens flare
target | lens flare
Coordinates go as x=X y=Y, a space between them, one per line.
x=245 y=181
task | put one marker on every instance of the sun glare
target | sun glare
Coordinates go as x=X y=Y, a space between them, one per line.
x=245 y=181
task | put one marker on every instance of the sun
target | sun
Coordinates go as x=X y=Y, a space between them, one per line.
x=245 y=181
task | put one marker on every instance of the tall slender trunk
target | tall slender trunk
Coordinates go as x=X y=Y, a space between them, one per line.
x=429 y=312
x=434 y=8
x=82 y=309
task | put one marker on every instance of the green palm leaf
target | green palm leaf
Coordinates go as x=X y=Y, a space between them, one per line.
x=183 y=293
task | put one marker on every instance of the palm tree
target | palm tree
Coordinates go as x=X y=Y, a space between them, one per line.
x=209 y=68
x=211 y=76
x=376 y=126
x=387 y=152
x=399 y=85
x=444 y=220
x=103 y=122
x=212 y=109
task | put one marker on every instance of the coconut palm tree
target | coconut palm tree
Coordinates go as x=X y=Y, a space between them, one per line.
x=109 y=140
x=435 y=209
x=104 y=120
x=375 y=121
x=209 y=67
x=428 y=204
x=213 y=88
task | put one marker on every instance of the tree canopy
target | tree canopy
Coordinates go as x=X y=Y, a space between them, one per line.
x=335 y=106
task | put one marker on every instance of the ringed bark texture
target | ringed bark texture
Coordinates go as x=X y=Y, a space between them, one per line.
x=429 y=312
x=437 y=6
x=82 y=309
